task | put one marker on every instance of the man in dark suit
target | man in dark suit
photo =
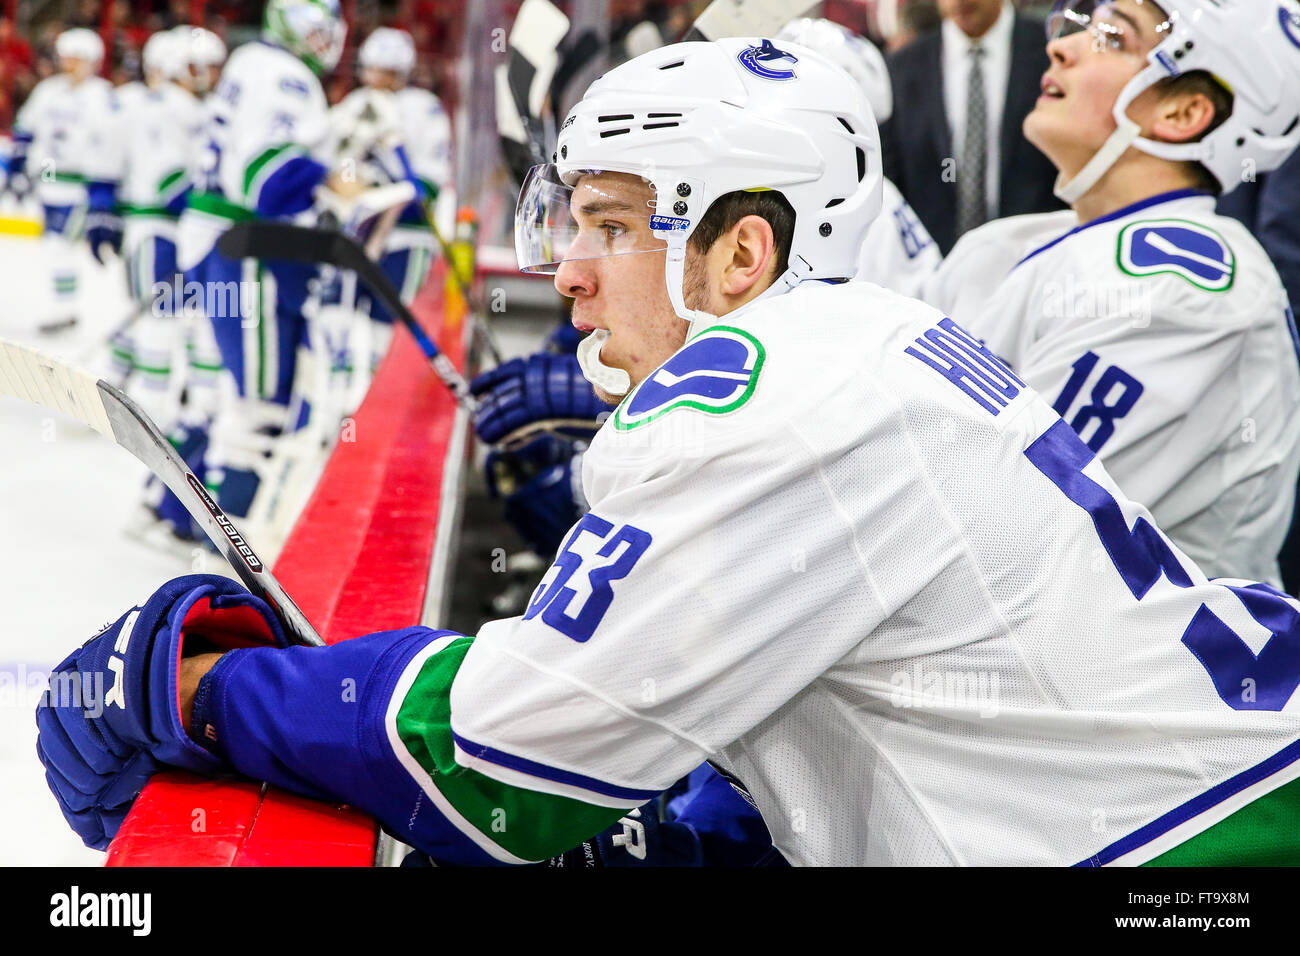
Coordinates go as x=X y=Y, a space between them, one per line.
x=954 y=145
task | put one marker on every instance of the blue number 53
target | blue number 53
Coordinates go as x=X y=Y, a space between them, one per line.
x=1141 y=555
x=553 y=601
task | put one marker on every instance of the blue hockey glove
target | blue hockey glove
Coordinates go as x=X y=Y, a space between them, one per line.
x=638 y=839
x=111 y=714
x=541 y=387
x=541 y=487
x=103 y=222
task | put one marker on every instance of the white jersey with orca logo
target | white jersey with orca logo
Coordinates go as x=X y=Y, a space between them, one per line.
x=1161 y=333
x=858 y=593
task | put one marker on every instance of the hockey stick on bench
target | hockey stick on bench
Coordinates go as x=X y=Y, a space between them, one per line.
x=282 y=240
x=51 y=383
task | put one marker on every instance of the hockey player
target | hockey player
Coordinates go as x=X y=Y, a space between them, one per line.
x=1158 y=329
x=268 y=114
x=420 y=153
x=205 y=54
x=66 y=144
x=162 y=121
x=545 y=491
x=835 y=546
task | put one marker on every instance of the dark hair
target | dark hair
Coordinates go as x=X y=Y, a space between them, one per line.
x=729 y=209
x=1203 y=82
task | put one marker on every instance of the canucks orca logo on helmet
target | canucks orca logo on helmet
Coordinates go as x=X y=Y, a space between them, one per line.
x=760 y=61
x=1290 y=25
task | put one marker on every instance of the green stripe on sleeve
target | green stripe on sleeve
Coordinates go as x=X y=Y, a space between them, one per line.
x=265 y=164
x=1265 y=832
x=526 y=823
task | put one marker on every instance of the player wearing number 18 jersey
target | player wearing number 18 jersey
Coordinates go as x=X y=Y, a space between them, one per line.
x=835 y=547
x=1159 y=330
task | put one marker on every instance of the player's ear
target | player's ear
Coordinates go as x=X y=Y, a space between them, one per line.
x=749 y=255
x=1182 y=117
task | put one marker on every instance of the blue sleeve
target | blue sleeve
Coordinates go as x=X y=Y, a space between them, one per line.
x=102 y=195
x=312 y=720
x=22 y=142
x=288 y=190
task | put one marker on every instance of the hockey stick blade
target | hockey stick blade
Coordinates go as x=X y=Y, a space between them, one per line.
x=283 y=240
x=746 y=18
x=51 y=383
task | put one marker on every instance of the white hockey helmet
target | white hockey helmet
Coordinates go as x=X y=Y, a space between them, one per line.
x=80 y=44
x=312 y=30
x=203 y=51
x=854 y=54
x=164 y=56
x=388 y=49
x=699 y=120
x=1251 y=47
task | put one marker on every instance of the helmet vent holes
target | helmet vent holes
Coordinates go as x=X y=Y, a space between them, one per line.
x=659 y=125
x=673 y=66
x=1291 y=126
x=606 y=133
x=835 y=202
x=663 y=115
x=862 y=164
x=845 y=124
x=615 y=119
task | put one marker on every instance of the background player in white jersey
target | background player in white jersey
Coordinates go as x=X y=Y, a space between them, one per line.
x=1159 y=330
x=387 y=58
x=835 y=545
x=162 y=121
x=204 y=54
x=263 y=158
x=66 y=145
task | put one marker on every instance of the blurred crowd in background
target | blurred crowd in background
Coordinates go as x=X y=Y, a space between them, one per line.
x=28 y=29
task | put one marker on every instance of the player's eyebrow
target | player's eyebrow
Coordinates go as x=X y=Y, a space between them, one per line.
x=1137 y=27
x=598 y=207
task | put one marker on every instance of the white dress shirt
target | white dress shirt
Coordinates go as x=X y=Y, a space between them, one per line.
x=997 y=69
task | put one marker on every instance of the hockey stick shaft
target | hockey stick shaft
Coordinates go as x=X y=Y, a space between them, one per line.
x=281 y=240
x=51 y=383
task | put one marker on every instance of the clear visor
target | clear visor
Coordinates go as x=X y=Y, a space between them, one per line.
x=1118 y=26
x=604 y=214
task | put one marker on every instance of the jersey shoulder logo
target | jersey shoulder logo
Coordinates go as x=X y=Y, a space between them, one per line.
x=764 y=60
x=715 y=372
x=1197 y=253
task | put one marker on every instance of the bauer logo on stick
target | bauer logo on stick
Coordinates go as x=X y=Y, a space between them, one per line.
x=765 y=61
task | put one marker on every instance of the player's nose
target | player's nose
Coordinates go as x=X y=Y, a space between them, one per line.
x=575 y=277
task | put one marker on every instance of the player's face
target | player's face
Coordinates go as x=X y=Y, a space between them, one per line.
x=1088 y=69
x=613 y=285
x=379 y=79
x=76 y=67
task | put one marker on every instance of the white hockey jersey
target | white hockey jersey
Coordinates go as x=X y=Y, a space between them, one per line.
x=268 y=109
x=855 y=561
x=1162 y=334
x=427 y=130
x=898 y=252
x=163 y=127
x=76 y=136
